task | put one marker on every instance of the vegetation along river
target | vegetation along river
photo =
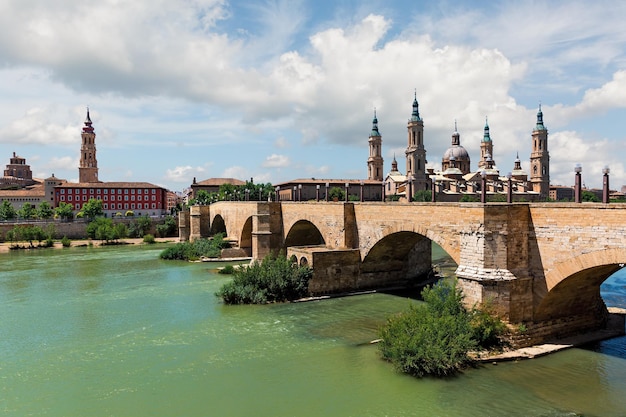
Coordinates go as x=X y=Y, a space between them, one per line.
x=118 y=332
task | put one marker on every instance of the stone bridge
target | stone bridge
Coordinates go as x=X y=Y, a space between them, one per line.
x=540 y=265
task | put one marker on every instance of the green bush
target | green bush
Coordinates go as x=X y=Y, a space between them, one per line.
x=189 y=251
x=227 y=270
x=149 y=239
x=435 y=338
x=66 y=242
x=271 y=280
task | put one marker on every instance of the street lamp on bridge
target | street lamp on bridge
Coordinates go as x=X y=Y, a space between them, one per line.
x=578 y=183
x=605 y=184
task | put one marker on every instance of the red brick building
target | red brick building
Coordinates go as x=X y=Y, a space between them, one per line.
x=142 y=198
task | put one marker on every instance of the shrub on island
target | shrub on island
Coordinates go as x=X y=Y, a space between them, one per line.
x=201 y=248
x=275 y=279
x=436 y=337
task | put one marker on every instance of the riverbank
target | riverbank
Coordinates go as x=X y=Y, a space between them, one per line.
x=615 y=328
x=6 y=246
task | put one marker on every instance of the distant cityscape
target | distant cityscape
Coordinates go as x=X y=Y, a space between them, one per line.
x=454 y=182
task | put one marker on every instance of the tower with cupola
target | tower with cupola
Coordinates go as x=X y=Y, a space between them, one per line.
x=88 y=167
x=540 y=159
x=415 y=151
x=486 y=148
x=375 y=160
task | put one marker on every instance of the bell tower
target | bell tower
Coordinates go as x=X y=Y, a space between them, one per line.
x=88 y=168
x=486 y=147
x=415 y=151
x=375 y=160
x=540 y=159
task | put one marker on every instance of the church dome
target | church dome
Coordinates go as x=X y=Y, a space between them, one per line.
x=457 y=152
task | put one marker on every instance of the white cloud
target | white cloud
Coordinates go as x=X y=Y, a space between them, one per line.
x=276 y=161
x=35 y=128
x=237 y=172
x=183 y=173
x=281 y=142
x=568 y=148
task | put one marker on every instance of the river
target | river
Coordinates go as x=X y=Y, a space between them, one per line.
x=118 y=332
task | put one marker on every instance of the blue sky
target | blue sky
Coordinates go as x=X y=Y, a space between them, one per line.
x=278 y=90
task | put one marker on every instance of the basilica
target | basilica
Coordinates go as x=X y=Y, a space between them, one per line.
x=456 y=181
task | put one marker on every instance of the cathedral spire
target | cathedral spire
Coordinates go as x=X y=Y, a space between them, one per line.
x=540 y=125
x=375 y=131
x=415 y=116
x=486 y=135
x=88 y=128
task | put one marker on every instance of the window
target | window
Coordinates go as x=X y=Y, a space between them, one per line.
x=153 y=191
x=69 y=198
x=132 y=206
x=139 y=191
x=84 y=191
x=84 y=198
x=99 y=191
x=125 y=198
x=139 y=206
x=106 y=206
x=126 y=206
x=119 y=206
x=132 y=198
x=106 y=191
x=153 y=205
x=153 y=197
x=63 y=191
x=132 y=191
x=126 y=191
x=119 y=191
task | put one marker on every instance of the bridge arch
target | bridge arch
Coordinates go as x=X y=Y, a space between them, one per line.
x=245 y=239
x=304 y=233
x=218 y=225
x=408 y=254
x=448 y=242
x=573 y=286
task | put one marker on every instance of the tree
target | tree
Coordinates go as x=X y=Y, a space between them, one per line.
x=422 y=196
x=590 y=197
x=140 y=227
x=64 y=211
x=44 y=211
x=203 y=198
x=336 y=193
x=93 y=208
x=27 y=211
x=168 y=228
x=7 y=212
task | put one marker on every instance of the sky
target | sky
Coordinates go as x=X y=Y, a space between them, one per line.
x=277 y=90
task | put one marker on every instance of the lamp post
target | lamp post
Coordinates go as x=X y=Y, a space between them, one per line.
x=433 y=188
x=361 y=191
x=578 y=184
x=409 y=196
x=483 y=186
x=299 y=192
x=605 y=184
x=293 y=195
x=509 y=191
x=327 y=184
x=247 y=195
x=317 y=193
x=347 y=189
x=383 y=193
x=277 y=189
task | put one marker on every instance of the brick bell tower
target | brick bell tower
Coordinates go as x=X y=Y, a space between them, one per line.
x=88 y=168
x=540 y=159
x=375 y=160
x=415 y=151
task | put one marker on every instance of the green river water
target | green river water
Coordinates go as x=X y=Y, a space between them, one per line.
x=118 y=332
